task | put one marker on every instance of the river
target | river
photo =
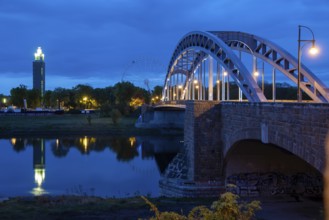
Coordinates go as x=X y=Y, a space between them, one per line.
x=94 y=166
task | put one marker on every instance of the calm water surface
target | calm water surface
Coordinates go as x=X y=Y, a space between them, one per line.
x=101 y=166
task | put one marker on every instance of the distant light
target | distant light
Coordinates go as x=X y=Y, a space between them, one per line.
x=180 y=86
x=225 y=73
x=217 y=81
x=195 y=81
x=4 y=100
x=256 y=74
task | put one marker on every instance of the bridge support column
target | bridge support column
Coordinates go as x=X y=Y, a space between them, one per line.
x=199 y=169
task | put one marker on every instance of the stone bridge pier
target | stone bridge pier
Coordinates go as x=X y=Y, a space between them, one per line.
x=212 y=129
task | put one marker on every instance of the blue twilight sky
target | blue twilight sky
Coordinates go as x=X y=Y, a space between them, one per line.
x=96 y=41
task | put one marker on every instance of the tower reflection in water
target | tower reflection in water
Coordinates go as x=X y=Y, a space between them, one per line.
x=39 y=166
x=140 y=153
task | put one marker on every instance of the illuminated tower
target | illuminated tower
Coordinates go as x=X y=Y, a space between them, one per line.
x=39 y=72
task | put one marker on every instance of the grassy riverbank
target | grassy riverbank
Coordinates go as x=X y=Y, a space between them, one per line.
x=84 y=207
x=67 y=124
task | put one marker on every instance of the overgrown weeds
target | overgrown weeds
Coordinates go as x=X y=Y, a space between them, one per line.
x=227 y=207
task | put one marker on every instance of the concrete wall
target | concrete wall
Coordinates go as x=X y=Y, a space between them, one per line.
x=169 y=118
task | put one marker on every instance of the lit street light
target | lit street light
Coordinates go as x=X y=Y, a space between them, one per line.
x=85 y=101
x=256 y=74
x=312 y=51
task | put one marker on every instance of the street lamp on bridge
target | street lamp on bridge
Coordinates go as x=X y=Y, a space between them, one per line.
x=313 y=50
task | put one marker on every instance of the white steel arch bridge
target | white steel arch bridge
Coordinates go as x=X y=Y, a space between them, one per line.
x=202 y=63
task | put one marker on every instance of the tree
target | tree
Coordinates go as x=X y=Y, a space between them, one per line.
x=33 y=98
x=18 y=95
x=142 y=94
x=83 y=95
x=156 y=94
x=102 y=96
x=60 y=96
x=123 y=92
x=157 y=91
x=47 y=99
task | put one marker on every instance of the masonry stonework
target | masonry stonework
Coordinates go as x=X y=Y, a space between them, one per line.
x=297 y=127
x=212 y=128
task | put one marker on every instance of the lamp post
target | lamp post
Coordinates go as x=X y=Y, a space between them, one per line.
x=313 y=51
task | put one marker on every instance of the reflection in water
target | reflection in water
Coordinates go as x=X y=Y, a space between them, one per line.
x=13 y=141
x=132 y=141
x=86 y=143
x=18 y=144
x=39 y=166
x=156 y=152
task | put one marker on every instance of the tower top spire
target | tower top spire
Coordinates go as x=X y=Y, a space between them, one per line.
x=39 y=55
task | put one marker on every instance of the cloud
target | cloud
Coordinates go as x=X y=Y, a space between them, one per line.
x=83 y=39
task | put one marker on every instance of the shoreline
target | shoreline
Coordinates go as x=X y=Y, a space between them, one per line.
x=74 y=125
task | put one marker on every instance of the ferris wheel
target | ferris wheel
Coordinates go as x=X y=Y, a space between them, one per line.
x=145 y=72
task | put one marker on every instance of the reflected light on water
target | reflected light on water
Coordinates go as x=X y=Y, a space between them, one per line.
x=132 y=141
x=86 y=142
x=39 y=178
x=57 y=143
x=38 y=191
x=13 y=141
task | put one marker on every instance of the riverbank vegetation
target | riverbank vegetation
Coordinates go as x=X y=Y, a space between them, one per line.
x=84 y=207
x=227 y=207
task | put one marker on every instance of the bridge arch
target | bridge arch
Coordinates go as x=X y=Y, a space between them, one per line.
x=267 y=169
x=195 y=47
x=279 y=139
x=279 y=58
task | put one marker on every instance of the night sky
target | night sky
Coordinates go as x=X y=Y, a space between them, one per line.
x=101 y=42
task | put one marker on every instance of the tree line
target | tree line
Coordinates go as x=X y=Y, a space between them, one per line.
x=124 y=96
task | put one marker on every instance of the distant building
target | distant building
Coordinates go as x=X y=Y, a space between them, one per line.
x=39 y=81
